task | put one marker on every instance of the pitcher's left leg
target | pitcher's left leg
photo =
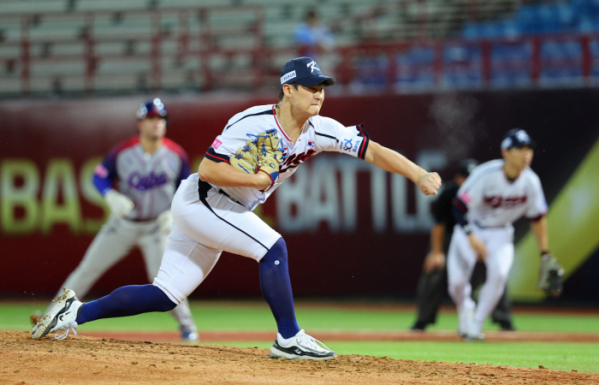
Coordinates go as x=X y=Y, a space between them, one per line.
x=152 y=246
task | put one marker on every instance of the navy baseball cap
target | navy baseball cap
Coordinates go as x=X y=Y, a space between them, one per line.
x=304 y=71
x=152 y=108
x=518 y=138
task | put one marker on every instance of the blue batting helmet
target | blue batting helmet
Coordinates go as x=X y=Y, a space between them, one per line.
x=152 y=108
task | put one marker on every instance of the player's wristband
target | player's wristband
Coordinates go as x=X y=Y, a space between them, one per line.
x=544 y=252
x=467 y=229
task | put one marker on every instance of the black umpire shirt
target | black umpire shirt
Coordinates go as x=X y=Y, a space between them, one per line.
x=442 y=211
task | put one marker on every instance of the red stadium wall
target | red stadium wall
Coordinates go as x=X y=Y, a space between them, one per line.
x=350 y=229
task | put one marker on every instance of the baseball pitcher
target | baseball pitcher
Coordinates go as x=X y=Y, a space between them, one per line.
x=212 y=210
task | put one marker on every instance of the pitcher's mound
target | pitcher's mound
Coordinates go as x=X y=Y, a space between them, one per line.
x=86 y=360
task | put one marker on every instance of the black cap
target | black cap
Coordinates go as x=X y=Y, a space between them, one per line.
x=304 y=71
x=466 y=167
x=518 y=138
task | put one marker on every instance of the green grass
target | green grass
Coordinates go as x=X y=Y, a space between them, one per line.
x=554 y=356
x=255 y=316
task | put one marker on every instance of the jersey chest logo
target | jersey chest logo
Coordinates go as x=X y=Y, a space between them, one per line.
x=499 y=201
x=295 y=160
x=146 y=182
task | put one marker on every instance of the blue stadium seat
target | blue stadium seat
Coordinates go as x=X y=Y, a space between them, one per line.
x=511 y=28
x=549 y=17
x=372 y=71
x=566 y=16
x=417 y=56
x=462 y=67
x=463 y=80
x=415 y=69
x=489 y=29
x=586 y=24
x=528 y=18
x=576 y=15
x=471 y=30
x=507 y=63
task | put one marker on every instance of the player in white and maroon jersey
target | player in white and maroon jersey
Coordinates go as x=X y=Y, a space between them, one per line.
x=495 y=195
x=318 y=134
x=212 y=209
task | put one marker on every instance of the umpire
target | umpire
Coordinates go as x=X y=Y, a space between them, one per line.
x=432 y=285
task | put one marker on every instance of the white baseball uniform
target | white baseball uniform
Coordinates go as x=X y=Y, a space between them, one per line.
x=493 y=203
x=210 y=219
x=150 y=182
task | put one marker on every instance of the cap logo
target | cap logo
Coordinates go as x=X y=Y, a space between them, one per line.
x=142 y=111
x=288 y=76
x=522 y=136
x=312 y=65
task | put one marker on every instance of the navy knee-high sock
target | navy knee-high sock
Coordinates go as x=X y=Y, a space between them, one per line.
x=276 y=288
x=126 y=301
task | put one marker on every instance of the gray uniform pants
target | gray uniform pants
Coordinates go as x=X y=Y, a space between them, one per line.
x=114 y=241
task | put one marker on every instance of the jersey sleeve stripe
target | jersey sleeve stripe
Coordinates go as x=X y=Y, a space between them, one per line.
x=457 y=202
x=364 y=145
x=213 y=155
x=267 y=112
x=326 y=136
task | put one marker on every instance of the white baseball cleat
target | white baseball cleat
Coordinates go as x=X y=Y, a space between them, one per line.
x=190 y=336
x=474 y=332
x=61 y=317
x=301 y=347
x=465 y=317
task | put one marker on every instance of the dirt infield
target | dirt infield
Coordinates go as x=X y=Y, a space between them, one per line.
x=94 y=360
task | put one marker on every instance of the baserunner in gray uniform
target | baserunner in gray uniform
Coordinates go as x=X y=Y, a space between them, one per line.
x=147 y=169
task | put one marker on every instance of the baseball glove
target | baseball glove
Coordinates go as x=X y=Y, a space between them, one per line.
x=551 y=276
x=262 y=152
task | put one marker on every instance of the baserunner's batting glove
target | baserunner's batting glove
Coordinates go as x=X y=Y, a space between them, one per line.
x=120 y=205
x=551 y=275
x=270 y=155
